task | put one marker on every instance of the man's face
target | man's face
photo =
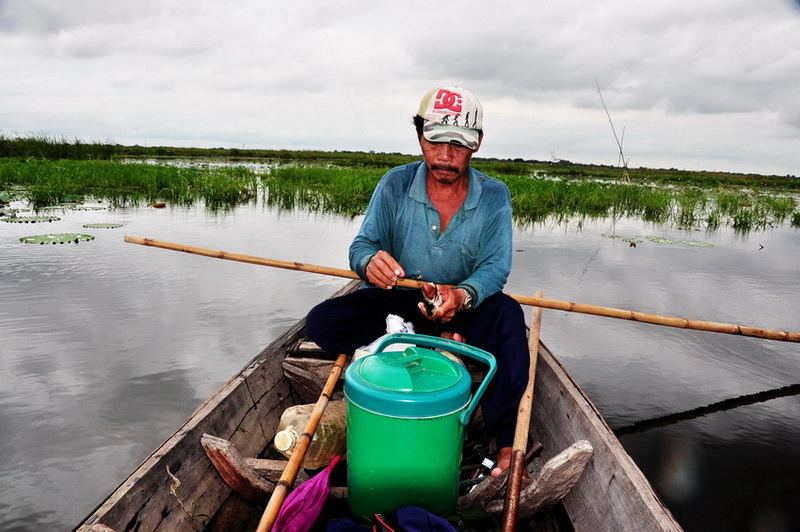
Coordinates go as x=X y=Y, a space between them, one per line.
x=446 y=163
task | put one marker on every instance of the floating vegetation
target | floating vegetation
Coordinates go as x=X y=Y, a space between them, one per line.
x=30 y=219
x=658 y=240
x=696 y=244
x=62 y=238
x=72 y=207
x=661 y=240
x=102 y=226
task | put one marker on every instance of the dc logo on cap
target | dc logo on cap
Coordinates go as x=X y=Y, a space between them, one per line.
x=449 y=100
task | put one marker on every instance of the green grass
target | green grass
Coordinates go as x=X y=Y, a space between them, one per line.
x=45 y=146
x=47 y=171
x=539 y=199
x=45 y=183
x=328 y=189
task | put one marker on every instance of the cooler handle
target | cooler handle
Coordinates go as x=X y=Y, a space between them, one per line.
x=459 y=348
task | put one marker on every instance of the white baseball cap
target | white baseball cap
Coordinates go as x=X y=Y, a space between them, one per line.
x=452 y=114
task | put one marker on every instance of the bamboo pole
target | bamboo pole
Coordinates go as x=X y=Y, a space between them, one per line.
x=609 y=312
x=290 y=472
x=522 y=429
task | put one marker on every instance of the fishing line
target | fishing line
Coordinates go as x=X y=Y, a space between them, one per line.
x=341 y=77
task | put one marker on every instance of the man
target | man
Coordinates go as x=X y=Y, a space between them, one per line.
x=446 y=223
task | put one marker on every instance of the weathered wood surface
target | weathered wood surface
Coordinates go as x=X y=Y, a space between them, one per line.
x=613 y=493
x=558 y=476
x=237 y=472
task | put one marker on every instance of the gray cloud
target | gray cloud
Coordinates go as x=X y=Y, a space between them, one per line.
x=702 y=86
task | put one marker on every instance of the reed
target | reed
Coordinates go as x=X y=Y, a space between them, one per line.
x=47 y=183
x=53 y=170
x=537 y=199
x=47 y=146
x=542 y=199
x=321 y=189
x=755 y=210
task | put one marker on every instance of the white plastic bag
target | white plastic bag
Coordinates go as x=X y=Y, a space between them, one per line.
x=394 y=324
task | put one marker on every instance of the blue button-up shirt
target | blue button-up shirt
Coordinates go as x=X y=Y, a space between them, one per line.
x=475 y=249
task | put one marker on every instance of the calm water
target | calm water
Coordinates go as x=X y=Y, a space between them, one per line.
x=107 y=347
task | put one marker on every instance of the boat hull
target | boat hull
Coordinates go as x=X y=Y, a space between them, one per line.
x=178 y=488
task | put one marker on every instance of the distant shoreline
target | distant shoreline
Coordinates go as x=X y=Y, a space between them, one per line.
x=50 y=147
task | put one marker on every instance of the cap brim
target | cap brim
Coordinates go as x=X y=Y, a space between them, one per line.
x=434 y=132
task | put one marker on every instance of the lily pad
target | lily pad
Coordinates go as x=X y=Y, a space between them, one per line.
x=62 y=238
x=657 y=240
x=102 y=226
x=695 y=243
x=30 y=219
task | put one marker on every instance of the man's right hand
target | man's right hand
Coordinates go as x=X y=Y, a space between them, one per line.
x=383 y=271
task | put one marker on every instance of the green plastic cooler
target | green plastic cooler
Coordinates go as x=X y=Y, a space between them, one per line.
x=406 y=413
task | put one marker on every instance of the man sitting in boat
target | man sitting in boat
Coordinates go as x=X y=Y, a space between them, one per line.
x=444 y=222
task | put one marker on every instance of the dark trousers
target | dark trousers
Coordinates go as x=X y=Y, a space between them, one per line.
x=497 y=325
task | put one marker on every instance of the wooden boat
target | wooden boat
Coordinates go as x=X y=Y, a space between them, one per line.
x=177 y=487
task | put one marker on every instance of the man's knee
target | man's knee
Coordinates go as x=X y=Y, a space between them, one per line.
x=506 y=309
x=317 y=321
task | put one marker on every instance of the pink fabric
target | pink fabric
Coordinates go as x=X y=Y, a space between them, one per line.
x=302 y=507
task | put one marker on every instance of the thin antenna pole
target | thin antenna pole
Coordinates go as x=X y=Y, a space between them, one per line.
x=614 y=131
x=341 y=77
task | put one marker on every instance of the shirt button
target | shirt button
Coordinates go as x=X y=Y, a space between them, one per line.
x=433 y=227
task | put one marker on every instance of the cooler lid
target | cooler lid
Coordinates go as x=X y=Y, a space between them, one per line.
x=416 y=382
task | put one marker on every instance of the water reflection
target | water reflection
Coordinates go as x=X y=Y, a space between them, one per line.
x=108 y=347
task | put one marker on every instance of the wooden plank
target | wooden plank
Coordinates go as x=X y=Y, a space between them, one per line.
x=308 y=375
x=612 y=494
x=307 y=384
x=557 y=477
x=235 y=469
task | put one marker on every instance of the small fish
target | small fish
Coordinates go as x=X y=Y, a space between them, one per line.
x=432 y=299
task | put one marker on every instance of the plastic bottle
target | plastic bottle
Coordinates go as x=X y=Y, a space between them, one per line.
x=484 y=469
x=330 y=438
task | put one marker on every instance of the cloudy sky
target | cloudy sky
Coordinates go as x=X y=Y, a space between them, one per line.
x=690 y=84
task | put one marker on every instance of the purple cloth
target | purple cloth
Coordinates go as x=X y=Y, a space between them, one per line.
x=302 y=507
